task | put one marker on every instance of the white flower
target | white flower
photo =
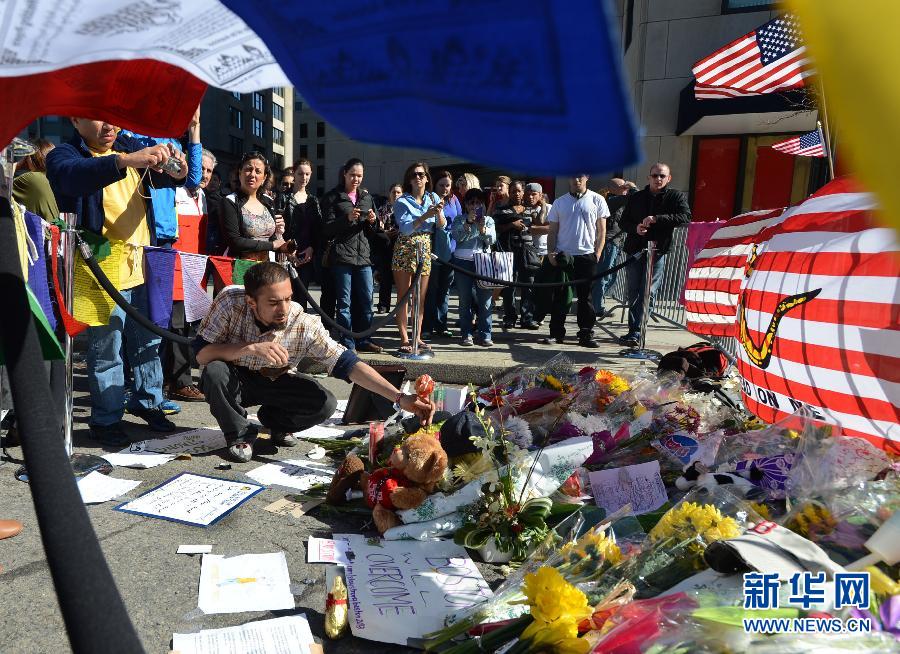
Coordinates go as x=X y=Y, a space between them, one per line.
x=517 y=430
x=587 y=424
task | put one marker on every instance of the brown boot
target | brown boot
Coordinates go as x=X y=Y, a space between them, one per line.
x=9 y=528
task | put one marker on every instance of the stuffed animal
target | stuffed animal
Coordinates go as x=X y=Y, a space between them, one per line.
x=415 y=469
x=697 y=474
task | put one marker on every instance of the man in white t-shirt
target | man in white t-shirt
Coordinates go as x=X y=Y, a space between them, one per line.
x=578 y=228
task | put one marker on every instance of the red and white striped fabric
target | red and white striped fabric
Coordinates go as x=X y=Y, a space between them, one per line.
x=770 y=58
x=713 y=283
x=819 y=316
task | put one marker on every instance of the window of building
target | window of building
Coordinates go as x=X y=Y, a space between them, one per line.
x=236 y=117
x=320 y=173
x=279 y=91
x=277 y=162
x=320 y=129
x=258 y=101
x=629 y=23
x=235 y=95
x=237 y=145
x=257 y=127
x=277 y=112
x=729 y=6
x=277 y=136
x=320 y=150
x=304 y=151
x=298 y=105
x=304 y=130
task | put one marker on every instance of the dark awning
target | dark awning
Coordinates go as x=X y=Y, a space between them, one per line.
x=772 y=113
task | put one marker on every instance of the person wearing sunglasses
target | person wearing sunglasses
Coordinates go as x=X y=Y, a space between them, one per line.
x=253 y=229
x=651 y=214
x=418 y=212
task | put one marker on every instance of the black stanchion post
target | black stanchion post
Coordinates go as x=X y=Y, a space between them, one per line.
x=415 y=355
x=641 y=352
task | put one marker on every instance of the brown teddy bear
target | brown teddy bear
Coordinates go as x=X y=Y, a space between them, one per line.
x=416 y=466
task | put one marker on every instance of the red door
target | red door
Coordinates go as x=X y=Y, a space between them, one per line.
x=772 y=179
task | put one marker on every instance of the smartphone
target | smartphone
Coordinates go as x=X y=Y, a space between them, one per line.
x=479 y=213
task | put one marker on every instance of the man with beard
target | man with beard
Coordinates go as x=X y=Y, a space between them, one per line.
x=251 y=343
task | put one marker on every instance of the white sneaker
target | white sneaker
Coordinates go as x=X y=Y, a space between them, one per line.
x=467 y=341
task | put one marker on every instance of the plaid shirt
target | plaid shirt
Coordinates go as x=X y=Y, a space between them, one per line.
x=230 y=320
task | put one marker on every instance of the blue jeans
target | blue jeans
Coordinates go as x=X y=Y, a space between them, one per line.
x=473 y=298
x=635 y=274
x=437 y=298
x=353 y=301
x=601 y=286
x=106 y=377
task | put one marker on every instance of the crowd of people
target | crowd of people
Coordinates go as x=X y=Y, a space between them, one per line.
x=144 y=191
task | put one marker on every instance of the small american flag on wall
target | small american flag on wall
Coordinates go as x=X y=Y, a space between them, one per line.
x=805 y=145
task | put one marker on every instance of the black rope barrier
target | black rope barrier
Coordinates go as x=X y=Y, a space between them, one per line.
x=95 y=616
x=571 y=282
x=332 y=324
x=113 y=292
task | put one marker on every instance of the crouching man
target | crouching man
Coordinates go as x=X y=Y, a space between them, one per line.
x=250 y=344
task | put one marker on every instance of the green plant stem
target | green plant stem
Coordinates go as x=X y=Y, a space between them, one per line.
x=493 y=640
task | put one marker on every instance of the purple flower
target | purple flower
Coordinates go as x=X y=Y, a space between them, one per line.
x=889 y=614
x=564 y=431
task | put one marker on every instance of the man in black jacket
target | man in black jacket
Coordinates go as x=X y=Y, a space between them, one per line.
x=651 y=214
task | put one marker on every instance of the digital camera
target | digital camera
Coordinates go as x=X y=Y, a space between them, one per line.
x=172 y=166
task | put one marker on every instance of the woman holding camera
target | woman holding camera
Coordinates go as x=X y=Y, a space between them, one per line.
x=418 y=212
x=473 y=232
x=349 y=218
x=252 y=227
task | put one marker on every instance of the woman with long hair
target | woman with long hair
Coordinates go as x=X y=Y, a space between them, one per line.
x=384 y=248
x=348 y=211
x=30 y=187
x=500 y=194
x=510 y=233
x=304 y=222
x=418 y=212
x=252 y=228
x=438 y=299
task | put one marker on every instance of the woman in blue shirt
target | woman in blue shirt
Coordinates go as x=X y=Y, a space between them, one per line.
x=438 y=300
x=473 y=232
x=417 y=212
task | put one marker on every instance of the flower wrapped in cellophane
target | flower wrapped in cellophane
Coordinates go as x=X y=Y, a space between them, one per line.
x=675 y=546
x=561 y=565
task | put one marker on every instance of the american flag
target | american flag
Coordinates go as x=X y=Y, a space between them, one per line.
x=812 y=293
x=768 y=59
x=805 y=145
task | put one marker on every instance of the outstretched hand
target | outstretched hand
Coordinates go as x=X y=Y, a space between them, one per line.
x=423 y=408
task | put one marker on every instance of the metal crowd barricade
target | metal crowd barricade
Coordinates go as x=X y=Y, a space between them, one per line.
x=666 y=305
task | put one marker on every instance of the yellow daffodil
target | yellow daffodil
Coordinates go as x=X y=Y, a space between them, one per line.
x=559 y=637
x=550 y=596
x=690 y=520
x=761 y=509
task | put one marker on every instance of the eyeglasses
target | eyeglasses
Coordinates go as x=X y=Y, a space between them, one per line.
x=420 y=174
x=658 y=175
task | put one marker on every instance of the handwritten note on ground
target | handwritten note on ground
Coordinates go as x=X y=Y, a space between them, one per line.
x=96 y=487
x=193 y=499
x=327 y=550
x=193 y=441
x=404 y=589
x=639 y=485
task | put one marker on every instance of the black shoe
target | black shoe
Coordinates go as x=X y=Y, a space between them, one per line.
x=630 y=341
x=154 y=418
x=588 y=342
x=550 y=340
x=110 y=435
x=284 y=439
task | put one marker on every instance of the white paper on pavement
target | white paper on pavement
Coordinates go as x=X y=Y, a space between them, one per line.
x=289 y=635
x=193 y=441
x=128 y=459
x=193 y=499
x=97 y=487
x=320 y=431
x=194 y=549
x=294 y=473
x=327 y=550
x=249 y=582
x=640 y=485
x=405 y=589
x=201 y=36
